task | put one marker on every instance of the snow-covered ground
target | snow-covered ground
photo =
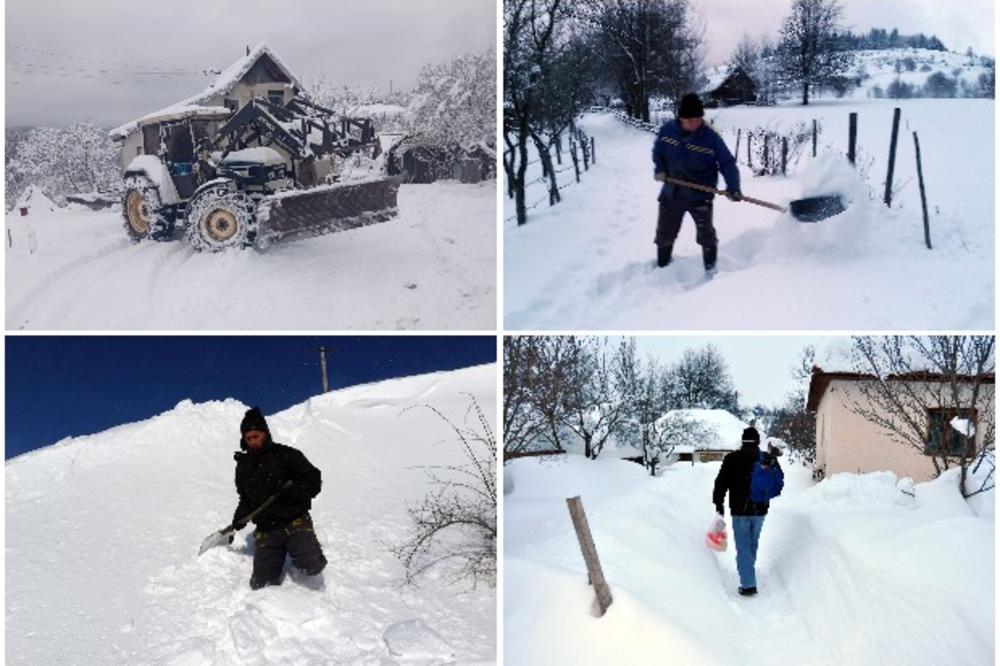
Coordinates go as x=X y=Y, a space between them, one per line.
x=431 y=267
x=102 y=538
x=589 y=262
x=850 y=571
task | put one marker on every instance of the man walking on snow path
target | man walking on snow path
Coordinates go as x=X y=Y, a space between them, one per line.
x=688 y=149
x=284 y=527
x=752 y=478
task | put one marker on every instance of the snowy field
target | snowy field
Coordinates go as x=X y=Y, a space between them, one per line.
x=589 y=262
x=431 y=267
x=850 y=571
x=103 y=531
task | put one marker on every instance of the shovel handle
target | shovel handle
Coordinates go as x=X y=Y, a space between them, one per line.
x=712 y=190
x=247 y=518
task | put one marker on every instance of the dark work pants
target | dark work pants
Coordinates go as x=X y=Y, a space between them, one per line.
x=297 y=539
x=668 y=224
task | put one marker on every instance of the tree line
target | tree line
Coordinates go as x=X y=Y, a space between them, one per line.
x=563 y=390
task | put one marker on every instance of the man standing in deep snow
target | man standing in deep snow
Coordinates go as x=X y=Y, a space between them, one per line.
x=751 y=478
x=285 y=526
x=689 y=149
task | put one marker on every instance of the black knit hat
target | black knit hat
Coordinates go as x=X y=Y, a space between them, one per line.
x=253 y=420
x=690 y=107
x=751 y=436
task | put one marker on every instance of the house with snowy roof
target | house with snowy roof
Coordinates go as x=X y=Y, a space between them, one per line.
x=723 y=433
x=260 y=73
x=850 y=441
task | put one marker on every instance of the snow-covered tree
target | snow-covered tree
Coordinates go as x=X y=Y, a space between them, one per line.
x=700 y=379
x=454 y=103
x=67 y=160
x=810 y=53
x=673 y=430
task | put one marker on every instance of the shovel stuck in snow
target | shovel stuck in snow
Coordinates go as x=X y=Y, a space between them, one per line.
x=810 y=209
x=222 y=536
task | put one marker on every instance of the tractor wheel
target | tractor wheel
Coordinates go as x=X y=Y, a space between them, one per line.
x=145 y=217
x=221 y=217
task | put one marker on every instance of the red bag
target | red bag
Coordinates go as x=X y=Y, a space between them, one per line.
x=716 y=537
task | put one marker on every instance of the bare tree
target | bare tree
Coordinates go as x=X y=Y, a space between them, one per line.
x=594 y=410
x=672 y=430
x=523 y=422
x=809 y=53
x=457 y=521
x=933 y=394
x=701 y=379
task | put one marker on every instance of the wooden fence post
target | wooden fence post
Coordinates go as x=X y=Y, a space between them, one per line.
x=892 y=157
x=589 y=550
x=815 y=135
x=784 y=155
x=737 y=151
x=576 y=160
x=852 y=138
x=923 y=194
x=749 y=156
x=585 y=149
x=767 y=157
x=593 y=151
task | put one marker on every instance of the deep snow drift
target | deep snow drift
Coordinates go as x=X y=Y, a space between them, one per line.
x=103 y=531
x=850 y=571
x=589 y=262
x=431 y=267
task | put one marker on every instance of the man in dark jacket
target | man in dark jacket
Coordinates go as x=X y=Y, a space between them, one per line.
x=688 y=149
x=285 y=526
x=736 y=477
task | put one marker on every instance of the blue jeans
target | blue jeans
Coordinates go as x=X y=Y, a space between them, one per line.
x=746 y=531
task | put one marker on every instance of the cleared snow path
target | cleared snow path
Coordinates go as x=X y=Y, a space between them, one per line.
x=431 y=267
x=848 y=571
x=589 y=261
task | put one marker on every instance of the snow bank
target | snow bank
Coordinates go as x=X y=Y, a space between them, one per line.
x=102 y=535
x=851 y=570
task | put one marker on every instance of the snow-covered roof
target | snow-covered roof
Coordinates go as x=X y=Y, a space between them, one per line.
x=222 y=85
x=728 y=427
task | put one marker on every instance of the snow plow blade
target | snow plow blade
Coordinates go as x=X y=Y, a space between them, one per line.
x=327 y=209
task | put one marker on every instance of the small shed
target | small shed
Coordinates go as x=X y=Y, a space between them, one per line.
x=418 y=161
x=474 y=164
x=737 y=88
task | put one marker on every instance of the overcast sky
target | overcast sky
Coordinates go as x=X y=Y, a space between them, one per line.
x=360 y=43
x=958 y=24
x=761 y=366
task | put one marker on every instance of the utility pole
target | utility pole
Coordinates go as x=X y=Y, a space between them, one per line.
x=322 y=365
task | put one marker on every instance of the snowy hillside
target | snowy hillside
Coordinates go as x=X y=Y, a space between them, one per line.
x=875 y=70
x=432 y=267
x=589 y=262
x=102 y=536
x=850 y=571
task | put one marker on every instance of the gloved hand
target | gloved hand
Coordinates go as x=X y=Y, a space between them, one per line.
x=660 y=177
x=734 y=195
x=238 y=526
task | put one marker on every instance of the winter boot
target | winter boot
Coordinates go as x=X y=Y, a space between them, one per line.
x=748 y=591
x=663 y=253
x=709 y=254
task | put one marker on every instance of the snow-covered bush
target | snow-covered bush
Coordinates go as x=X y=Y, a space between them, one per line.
x=798 y=136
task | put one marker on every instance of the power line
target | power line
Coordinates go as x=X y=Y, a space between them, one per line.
x=100 y=60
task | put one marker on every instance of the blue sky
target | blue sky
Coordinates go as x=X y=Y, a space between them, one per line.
x=75 y=385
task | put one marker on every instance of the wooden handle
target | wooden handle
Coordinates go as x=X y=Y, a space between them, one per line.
x=705 y=188
x=246 y=519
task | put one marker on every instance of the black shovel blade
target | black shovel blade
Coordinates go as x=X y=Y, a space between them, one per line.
x=814 y=209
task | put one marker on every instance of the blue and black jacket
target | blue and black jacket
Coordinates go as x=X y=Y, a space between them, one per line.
x=698 y=157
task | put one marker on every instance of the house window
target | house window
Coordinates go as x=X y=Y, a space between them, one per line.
x=950 y=431
x=276 y=97
x=138 y=150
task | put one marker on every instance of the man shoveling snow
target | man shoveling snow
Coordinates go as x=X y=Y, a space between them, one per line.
x=688 y=149
x=752 y=478
x=263 y=471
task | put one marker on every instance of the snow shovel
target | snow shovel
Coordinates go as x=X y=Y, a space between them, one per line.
x=222 y=536
x=810 y=209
